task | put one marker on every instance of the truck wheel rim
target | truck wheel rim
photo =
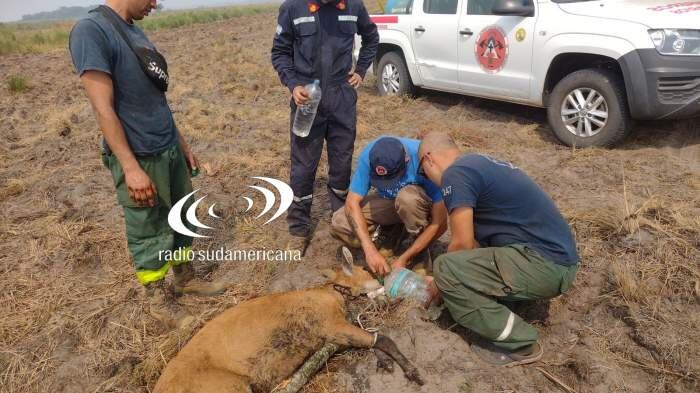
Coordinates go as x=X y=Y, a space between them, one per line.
x=584 y=112
x=390 y=79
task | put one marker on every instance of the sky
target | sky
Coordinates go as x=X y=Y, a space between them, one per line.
x=11 y=10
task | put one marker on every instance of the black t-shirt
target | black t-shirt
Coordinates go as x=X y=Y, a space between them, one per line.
x=509 y=207
x=141 y=107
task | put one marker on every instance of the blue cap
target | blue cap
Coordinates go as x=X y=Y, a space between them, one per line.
x=387 y=163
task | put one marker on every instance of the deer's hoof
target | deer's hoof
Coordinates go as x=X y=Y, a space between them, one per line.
x=414 y=376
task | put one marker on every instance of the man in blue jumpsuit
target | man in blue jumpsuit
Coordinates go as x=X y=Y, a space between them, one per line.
x=314 y=40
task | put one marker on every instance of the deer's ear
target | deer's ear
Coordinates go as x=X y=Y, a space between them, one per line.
x=329 y=274
x=348 y=262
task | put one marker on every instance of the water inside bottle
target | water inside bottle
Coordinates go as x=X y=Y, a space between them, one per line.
x=305 y=114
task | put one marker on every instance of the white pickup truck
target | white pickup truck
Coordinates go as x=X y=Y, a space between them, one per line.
x=594 y=65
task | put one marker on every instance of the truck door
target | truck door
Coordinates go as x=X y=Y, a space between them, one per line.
x=495 y=51
x=435 y=42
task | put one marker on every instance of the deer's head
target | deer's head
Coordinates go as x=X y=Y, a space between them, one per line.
x=351 y=276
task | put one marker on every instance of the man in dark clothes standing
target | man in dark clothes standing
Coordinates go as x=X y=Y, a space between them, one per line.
x=314 y=40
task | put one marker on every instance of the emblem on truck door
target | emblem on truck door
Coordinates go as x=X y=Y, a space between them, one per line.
x=491 y=49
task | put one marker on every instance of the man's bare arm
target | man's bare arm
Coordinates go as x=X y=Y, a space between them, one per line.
x=100 y=92
x=435 y=229
x=353 y=211
x=462 y=227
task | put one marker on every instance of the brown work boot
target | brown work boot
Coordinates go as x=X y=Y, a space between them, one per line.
x=526 y=355
x=350 y=241
x=162 y=305
x=501 y=357
x=185 y=282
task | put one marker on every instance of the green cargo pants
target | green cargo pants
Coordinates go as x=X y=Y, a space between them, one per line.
x=472 y=281
x=147 y=231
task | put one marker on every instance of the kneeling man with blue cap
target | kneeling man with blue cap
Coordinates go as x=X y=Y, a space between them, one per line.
x=386 y=189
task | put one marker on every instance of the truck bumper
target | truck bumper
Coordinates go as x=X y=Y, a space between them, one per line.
x=661 y=87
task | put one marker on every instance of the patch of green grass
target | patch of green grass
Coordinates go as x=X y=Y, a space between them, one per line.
x=171 y=19
x=41 y=37
x=17 y=83
x=33 y=38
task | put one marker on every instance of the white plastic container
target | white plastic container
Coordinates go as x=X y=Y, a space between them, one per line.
x=404 y=283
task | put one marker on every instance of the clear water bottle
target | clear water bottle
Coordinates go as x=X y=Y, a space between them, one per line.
x=304 y=118
x=404 y=283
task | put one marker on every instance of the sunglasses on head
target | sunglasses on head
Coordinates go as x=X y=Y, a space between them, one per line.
x=420 y=165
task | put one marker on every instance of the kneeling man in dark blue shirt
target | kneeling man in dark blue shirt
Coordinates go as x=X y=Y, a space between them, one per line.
x=509 y=243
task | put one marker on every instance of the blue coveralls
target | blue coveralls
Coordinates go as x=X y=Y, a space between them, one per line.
x=315 y=41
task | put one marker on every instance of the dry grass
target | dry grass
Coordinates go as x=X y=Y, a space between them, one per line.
x=73 y=318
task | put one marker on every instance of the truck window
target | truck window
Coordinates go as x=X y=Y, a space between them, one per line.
x=440 y=6
x=485 y=7
x=398 y=7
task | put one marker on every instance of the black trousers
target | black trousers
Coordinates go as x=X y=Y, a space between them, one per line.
x=335 y=123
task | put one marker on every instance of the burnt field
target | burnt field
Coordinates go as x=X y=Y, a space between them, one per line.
x=72 y=313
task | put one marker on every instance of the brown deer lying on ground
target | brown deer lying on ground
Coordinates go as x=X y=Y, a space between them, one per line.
x=259 y=343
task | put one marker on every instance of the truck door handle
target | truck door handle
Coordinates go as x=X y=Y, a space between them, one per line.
x=420 y=29
x=466 y=32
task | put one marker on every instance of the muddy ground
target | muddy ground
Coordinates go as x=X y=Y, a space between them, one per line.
x=72 y=314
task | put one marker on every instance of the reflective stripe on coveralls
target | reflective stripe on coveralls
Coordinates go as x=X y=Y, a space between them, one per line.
x=508 y=329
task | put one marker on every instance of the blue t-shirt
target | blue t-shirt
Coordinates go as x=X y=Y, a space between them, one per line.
x=360 y=183
x=509 y=207
x=141 y=107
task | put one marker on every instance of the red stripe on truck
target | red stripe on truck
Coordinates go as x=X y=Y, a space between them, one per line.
x=385 y=19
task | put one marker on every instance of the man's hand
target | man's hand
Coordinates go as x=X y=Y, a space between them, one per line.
x=300 y=95
x=399 y=263
x=432 y=288
x=191 y=159
x=355 y=79
x=377 y=263
x=140 y=187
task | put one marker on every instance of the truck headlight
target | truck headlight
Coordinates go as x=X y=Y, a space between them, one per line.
x=676 y=41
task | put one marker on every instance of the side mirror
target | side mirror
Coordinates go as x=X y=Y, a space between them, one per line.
x=513 y=7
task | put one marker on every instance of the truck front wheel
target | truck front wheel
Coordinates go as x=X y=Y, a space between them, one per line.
x=589 y=108
x=392 y=76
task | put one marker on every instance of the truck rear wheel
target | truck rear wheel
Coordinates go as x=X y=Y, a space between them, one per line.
x=589 y=108
x=392 y=76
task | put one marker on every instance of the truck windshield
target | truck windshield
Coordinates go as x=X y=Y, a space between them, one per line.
x=398 y=7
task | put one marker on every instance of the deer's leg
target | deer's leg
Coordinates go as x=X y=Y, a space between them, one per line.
x=384 y=361
x=387 y=345
x=345 y=334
